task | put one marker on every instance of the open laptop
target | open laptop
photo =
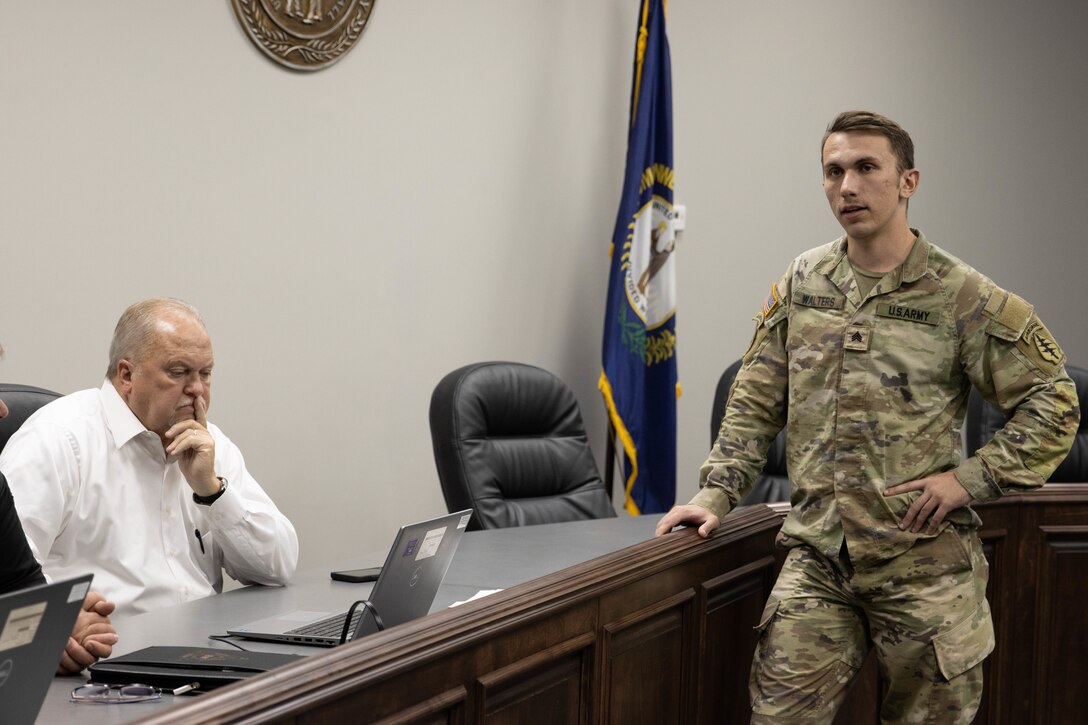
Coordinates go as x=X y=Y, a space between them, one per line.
x=405 y=589
x=34 y=627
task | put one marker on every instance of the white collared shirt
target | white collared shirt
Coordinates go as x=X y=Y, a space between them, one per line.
x=96 y=493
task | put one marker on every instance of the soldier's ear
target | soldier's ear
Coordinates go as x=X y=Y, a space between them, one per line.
x=908 y=183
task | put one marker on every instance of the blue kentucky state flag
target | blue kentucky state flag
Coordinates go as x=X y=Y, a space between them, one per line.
x=639 y=381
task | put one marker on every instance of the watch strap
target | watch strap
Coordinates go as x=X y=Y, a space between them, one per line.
x=209 y=500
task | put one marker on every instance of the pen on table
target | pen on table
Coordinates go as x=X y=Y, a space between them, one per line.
x=199 y=540
x=186 y=688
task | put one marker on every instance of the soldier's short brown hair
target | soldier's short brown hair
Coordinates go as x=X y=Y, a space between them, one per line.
x=869 y=122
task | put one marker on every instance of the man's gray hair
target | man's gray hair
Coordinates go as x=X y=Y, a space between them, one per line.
x=136 y=328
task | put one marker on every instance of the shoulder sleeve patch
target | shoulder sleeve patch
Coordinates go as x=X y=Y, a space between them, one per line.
x=1040 y=347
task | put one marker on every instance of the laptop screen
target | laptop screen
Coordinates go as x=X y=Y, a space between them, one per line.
x=34 y=627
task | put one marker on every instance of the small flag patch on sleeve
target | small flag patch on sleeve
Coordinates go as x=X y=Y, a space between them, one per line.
x=772 y=301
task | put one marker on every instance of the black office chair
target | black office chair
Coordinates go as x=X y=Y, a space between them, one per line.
x=983 y=420
x=773 y=483
x=509 y=442
x=22 y=401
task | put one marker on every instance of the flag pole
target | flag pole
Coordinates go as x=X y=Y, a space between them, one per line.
x=610 y=462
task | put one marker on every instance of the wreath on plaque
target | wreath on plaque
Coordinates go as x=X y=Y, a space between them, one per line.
x=304 y=34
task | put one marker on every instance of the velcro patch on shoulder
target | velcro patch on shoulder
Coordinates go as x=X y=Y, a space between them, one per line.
x=1010 y=311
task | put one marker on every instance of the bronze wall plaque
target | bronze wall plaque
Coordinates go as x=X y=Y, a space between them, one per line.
x=304 y=34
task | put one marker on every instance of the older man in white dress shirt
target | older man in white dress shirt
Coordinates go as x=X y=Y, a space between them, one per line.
x=130 y=480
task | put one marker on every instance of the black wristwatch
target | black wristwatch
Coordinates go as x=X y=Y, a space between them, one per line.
x=209 y=500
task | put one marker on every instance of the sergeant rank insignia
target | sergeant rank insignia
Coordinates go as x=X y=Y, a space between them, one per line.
x=304 y=34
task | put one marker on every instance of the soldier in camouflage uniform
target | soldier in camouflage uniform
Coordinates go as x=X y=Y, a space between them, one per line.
x=865 y=351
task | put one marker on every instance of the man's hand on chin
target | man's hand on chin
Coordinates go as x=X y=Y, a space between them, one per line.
x=191 y=442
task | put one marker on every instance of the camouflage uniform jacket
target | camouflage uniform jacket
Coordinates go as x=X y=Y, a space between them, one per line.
x=873 y=392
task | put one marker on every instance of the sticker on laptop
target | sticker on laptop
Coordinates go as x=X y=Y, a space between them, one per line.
x=431 y=543
x=464 y=521
x=21 y=626
x=79 y=591
x=411 y=547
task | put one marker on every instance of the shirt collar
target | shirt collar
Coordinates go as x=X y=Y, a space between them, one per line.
x=918 y=260
x=837 y=266
x=122 y=422
x=833 y=257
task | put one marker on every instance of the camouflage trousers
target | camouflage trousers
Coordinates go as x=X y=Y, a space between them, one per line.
x=924 y=612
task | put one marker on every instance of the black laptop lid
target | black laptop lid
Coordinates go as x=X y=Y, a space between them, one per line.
x=34 y=627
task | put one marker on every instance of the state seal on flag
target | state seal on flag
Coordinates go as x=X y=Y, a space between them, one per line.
x=650 y=273
x=304 y=34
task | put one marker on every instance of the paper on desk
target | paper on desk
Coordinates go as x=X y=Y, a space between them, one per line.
x=477 y=595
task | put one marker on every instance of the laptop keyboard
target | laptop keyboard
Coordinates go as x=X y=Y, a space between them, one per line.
x=329 y=627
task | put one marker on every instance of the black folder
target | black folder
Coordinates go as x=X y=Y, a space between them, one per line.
x=172 y=667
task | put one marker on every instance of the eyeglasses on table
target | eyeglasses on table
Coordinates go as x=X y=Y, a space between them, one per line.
x=95 y=693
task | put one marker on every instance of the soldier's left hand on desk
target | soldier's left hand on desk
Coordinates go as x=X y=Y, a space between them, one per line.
x=691 y=515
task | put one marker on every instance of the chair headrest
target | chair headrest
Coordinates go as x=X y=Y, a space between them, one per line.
x=21 y=401
x=509 y=442
x=501 y=399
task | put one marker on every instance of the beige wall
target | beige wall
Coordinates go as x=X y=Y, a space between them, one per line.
x=445 y=194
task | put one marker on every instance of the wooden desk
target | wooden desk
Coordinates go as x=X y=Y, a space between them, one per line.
x=657 y=632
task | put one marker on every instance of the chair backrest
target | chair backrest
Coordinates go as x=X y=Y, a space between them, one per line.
x=509 y=442
x=983 y=420
x=774 y=483
x=22 y=401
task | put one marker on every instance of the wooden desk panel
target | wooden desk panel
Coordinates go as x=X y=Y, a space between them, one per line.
x=661 y=632
x=617 y=639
